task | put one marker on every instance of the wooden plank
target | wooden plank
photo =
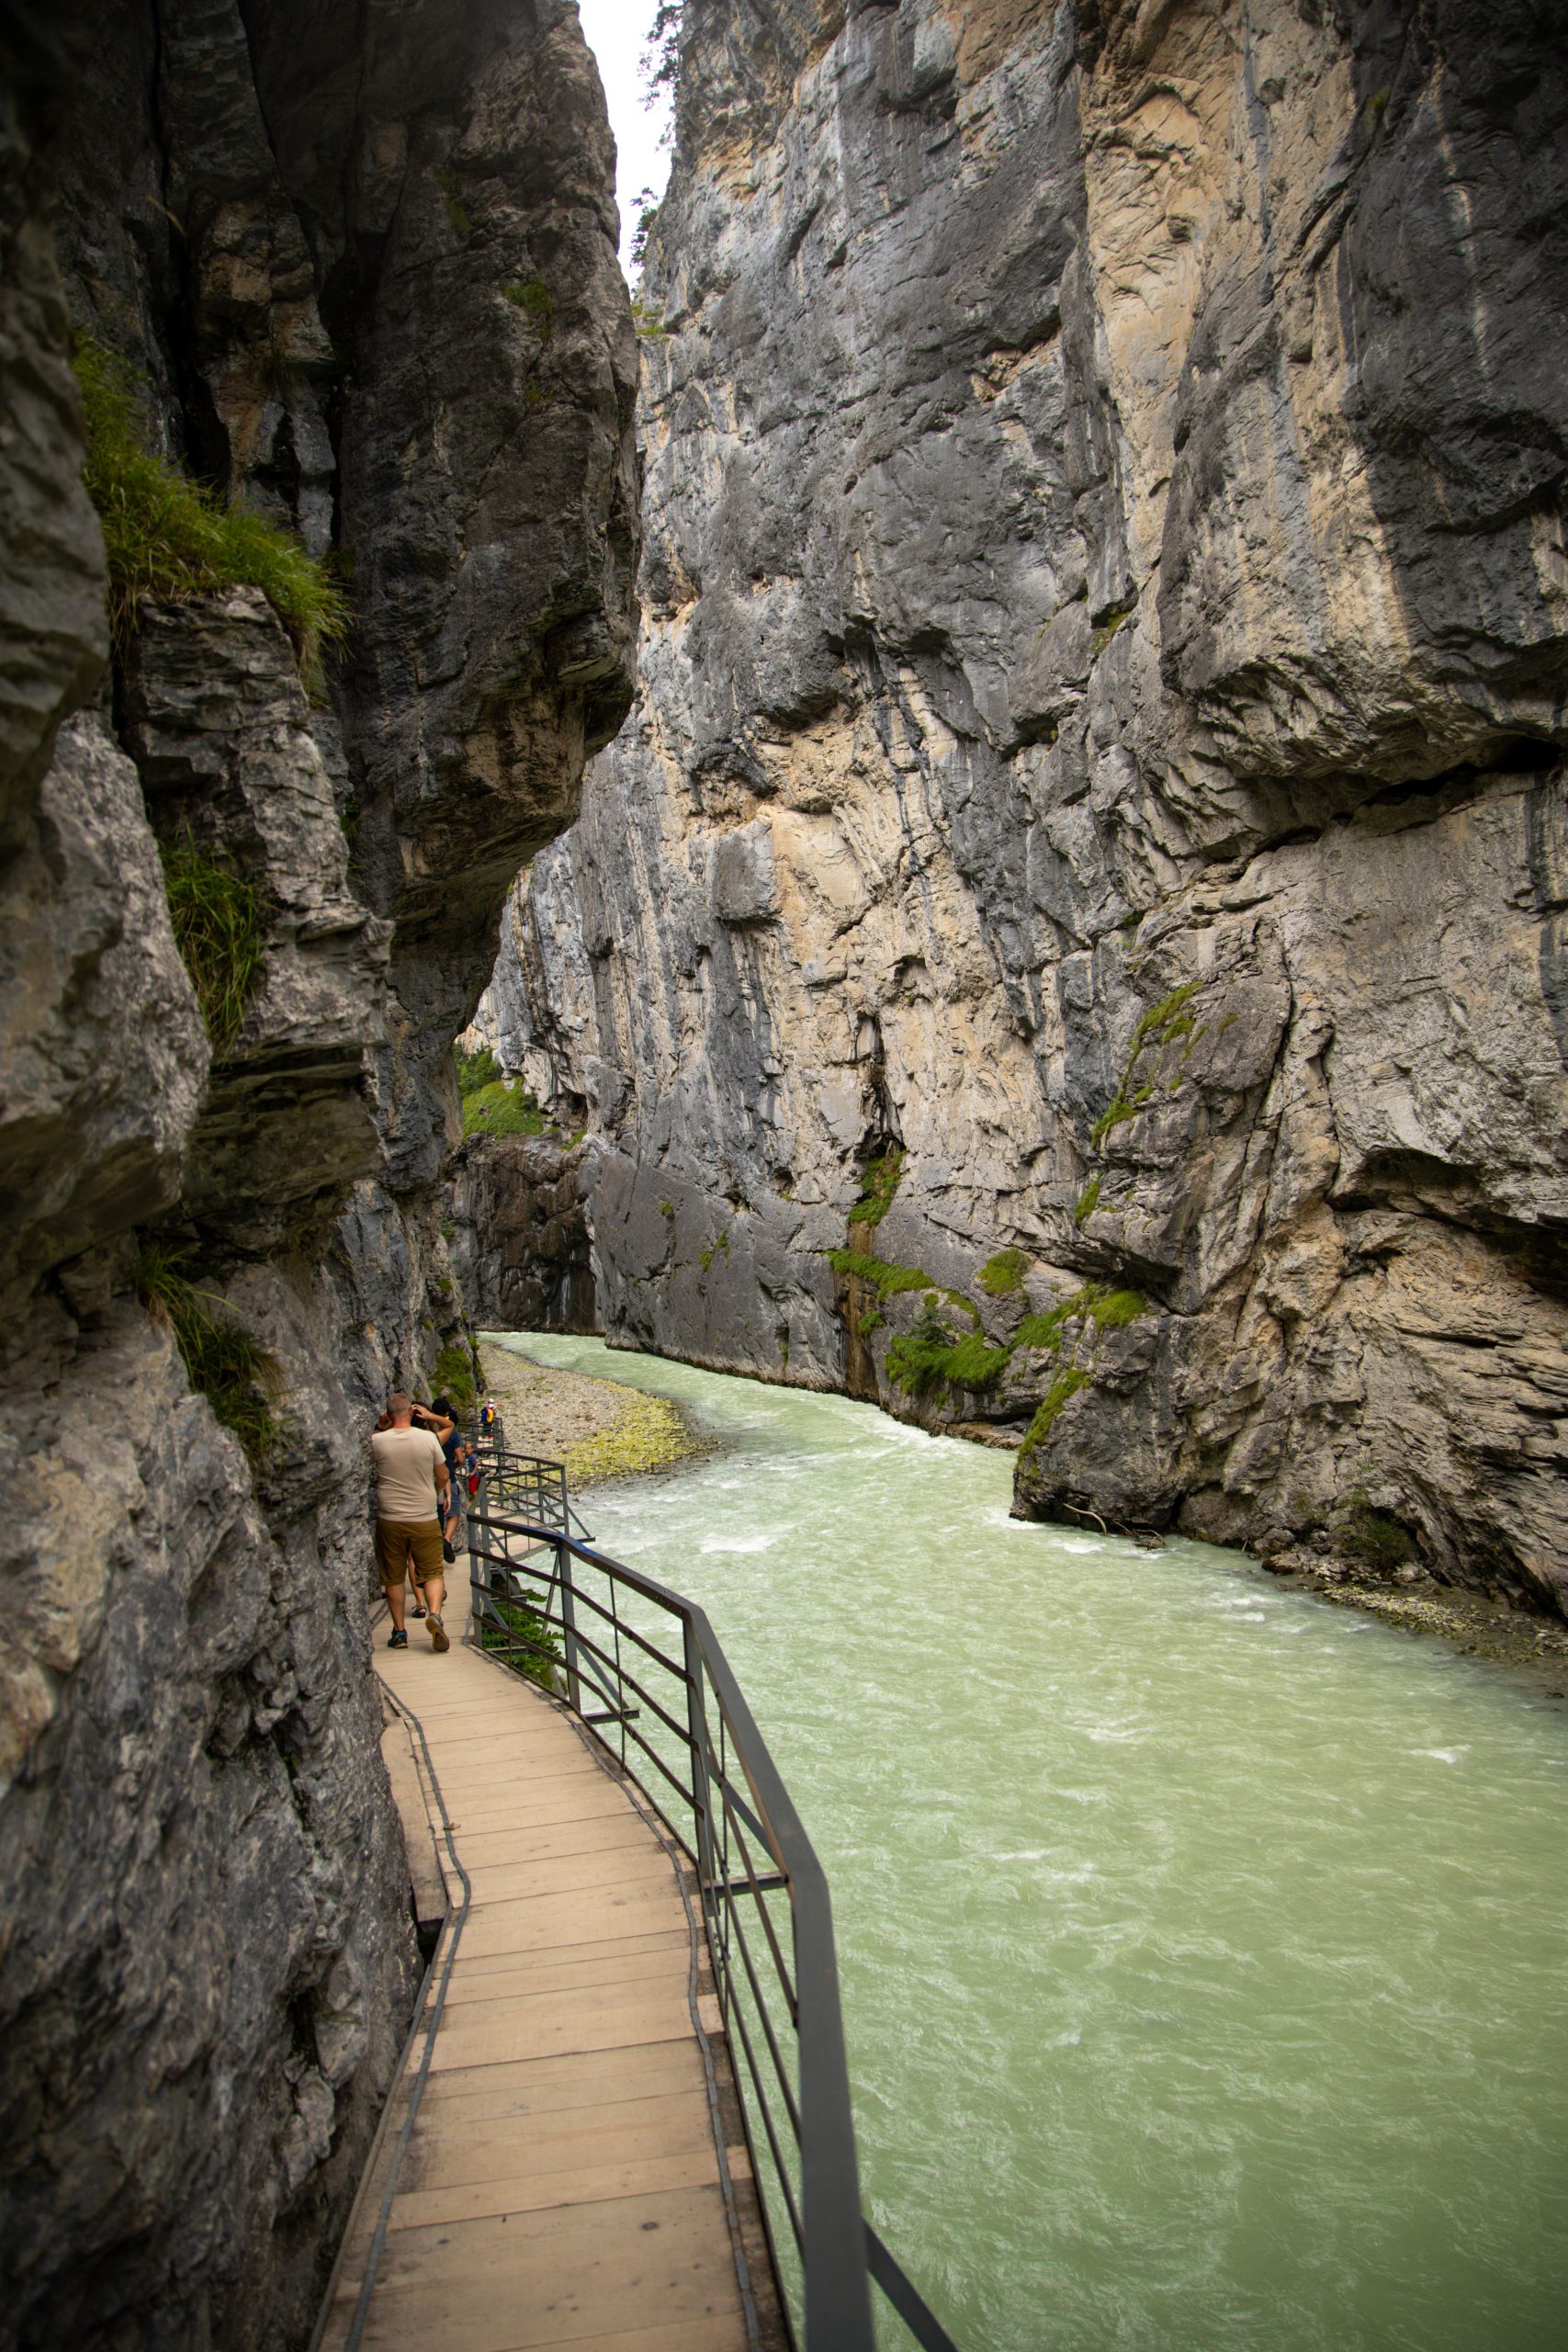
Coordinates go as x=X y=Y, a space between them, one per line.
x=690 y=2335
x=634 y=1961
x=544 y=2146
x=465 y=1727
x=567 y=2184
x=570 y=1799
x=548 y=1921
x=507 y=2283
x=603 y=1867
x=599 y=2016
x=531 y=1840
x=470 y=2098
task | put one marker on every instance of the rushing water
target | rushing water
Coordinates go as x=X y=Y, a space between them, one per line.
x=1204 y=1944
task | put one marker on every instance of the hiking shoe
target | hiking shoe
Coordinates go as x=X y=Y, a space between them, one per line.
x=438 y=1640
x=416 y=1612
x=397 y=1639
x=447 y=1553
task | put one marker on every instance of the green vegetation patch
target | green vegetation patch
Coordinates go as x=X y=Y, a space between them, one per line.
x=219 y=930
x=525 y=1642
x=1094 y=1310
x=1110 y=621
x=533 y=297
x=917 y=1360
x=500 y=1110
x=705 y=1257
x=649 y=1435
x=1088 y=1202
x=222 y=1361
x=1106 y=1310
x=450 y=181
x=1002 y=1277
x=454 y=1374
x=1370 y=1536
x=170 y=539
x=1165 y=1024
x=1167 y=1019
x=1067 y=1384
x=880 y=1180
x=477 y=1069
x=884 y=1278
x=928 y=1358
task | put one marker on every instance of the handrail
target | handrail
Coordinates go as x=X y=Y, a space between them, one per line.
x=722 y=1793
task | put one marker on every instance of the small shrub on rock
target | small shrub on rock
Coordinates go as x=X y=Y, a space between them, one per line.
x=219 y=930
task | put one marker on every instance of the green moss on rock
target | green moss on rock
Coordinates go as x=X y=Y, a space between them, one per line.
x=1002 y=1277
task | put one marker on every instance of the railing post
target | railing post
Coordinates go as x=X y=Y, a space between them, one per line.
x=478 y=1503
x=701 y=1796
x=568 y=1629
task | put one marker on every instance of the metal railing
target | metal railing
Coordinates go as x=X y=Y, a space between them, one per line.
x=643 y=1669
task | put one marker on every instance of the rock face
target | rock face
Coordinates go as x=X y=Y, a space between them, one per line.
x=520 y=1243
x=1098 y=759
x=362 y=264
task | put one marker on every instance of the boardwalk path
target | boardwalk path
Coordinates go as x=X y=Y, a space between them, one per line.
x=561 y=2183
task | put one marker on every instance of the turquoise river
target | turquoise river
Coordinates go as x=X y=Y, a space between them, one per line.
x=1204 y=1944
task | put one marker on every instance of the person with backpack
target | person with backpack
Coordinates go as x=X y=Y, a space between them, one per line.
x=443 y=1421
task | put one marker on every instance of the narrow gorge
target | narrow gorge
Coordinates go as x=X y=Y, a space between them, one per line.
x=1070 y=942
x=960 y=799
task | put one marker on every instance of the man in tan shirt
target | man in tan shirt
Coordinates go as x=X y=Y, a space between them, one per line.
x=411 y=1479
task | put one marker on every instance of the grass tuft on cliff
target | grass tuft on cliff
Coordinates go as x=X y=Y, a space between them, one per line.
x=1066 y=1385
x=170 y=539
x=500 y=1109
x=220 y=930
x=880 y=1180
x=1002 y=1277
x=929 y=1358
x=222 y=1361
x=454 y=1375
x=489 y=1107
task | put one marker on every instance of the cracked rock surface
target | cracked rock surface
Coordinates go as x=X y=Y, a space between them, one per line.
x=1100 y=736
x=297 y=228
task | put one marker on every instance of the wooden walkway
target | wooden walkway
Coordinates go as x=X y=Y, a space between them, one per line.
x=561 y=2182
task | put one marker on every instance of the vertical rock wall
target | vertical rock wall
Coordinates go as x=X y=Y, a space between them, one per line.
x=1100 y=737
x=362 y=265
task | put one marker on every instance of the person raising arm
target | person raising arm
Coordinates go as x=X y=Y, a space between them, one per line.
x=411 y=1483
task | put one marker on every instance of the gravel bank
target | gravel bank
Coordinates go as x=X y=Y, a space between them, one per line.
x=597 y=1428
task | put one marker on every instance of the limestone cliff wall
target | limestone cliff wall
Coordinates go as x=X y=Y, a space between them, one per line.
x=361 y=263
x=1100 y=737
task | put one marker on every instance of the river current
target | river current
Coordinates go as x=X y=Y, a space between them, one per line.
x=1203 y=1945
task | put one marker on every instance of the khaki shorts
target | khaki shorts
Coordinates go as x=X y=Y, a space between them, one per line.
x=400 y=1541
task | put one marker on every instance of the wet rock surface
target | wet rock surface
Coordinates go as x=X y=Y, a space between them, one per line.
x=1100 y=737
x=207 y=1958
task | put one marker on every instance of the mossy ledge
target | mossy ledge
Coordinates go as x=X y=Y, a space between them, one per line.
x=168 y=537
